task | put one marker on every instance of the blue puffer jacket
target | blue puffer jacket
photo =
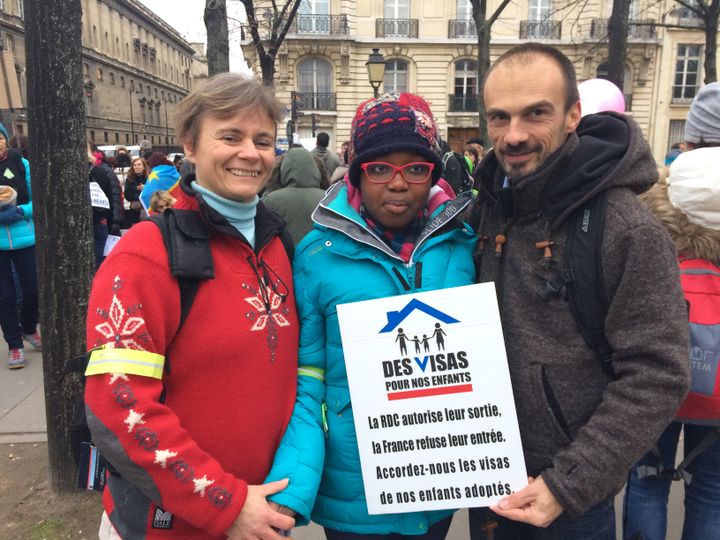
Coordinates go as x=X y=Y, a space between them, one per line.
x=342 y=261
x=20 y=234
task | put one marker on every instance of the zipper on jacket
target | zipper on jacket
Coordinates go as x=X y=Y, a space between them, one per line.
x=323 y=414
x=401 y=278
x=418 y=275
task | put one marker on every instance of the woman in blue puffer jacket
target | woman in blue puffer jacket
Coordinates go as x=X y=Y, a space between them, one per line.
x=17 y=251
x=388 y=229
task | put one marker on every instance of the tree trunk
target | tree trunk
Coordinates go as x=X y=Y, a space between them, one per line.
x=711 y=32
x=218 y=45
x=267 y=67
x=618 y=28
x=61 y=209
x=484 y=31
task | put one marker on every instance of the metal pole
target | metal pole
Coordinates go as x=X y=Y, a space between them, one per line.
x=132 y=121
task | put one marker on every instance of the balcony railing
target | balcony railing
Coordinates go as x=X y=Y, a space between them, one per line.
x=638 y=29
x=462 y=28
x=320 y=24
x=396 y=28
x=540 y=29
x=463 y=103
x=316 y=101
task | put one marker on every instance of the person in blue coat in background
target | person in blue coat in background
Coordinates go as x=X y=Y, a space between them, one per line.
x=388 y=229
x=17 y=249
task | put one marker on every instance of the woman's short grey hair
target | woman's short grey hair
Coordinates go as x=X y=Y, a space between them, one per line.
x=223 y=95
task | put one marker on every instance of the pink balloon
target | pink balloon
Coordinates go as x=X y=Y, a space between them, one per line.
x=600 y=95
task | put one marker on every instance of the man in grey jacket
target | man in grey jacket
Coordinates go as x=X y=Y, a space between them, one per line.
x=582 y=428
x=330 y=159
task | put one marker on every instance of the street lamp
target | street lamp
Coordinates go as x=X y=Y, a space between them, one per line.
x=376 y=70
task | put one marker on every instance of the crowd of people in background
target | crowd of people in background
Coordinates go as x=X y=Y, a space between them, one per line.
x=322 y=221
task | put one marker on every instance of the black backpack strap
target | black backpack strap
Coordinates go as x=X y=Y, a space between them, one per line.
x=583 y=260
x=707 y=441
x=187 y=242
x=288 y=244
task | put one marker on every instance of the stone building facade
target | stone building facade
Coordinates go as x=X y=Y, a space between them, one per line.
x=431 y=49
x=136 y=69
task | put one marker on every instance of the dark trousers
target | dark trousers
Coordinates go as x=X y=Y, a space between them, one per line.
x=435 y=532
x=598 y=523
x=100 y=235
x=12 y=327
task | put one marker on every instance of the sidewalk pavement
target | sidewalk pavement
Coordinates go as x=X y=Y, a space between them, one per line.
x=22 y=399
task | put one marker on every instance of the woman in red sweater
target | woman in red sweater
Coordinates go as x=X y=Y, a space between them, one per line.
x=192 y=442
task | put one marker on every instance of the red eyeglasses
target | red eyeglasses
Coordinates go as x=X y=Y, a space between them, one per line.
x=379 y=172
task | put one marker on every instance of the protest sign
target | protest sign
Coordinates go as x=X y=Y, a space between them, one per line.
x=432 y=400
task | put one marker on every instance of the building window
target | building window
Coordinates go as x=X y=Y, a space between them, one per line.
x=92 y=136
x=152 y=139
x=117 y=137
x=396 y=21
x=20 y=9
x=99 y=74
x=122 y=81
x=464 y=9
x=307 y=20
x=689 y=16
x=687 y=71
x=105 y=136
x=127 y=138
x=466 y=78
x=315 y=80
x=464 y=97
x=539 y=10
x=396 y=76
x=94 y=36
x=112 y=78
x=676 y=134
x=397 y=9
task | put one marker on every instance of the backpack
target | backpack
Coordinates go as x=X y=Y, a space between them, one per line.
x=581 y=277
x=456 y=172
x=187 y=242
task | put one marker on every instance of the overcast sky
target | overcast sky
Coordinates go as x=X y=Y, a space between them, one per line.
x=186 y=16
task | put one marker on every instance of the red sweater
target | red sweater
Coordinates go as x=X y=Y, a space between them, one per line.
x=230 y=389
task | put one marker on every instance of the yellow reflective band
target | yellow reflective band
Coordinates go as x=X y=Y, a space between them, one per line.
x=128 y=361
x=313 y=372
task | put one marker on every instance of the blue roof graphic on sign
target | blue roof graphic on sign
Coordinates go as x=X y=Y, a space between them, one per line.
x=396 y=317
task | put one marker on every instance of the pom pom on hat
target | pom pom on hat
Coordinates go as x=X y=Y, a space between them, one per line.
x=393 y=123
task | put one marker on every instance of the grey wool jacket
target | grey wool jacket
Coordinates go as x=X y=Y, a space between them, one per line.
x=581 y=428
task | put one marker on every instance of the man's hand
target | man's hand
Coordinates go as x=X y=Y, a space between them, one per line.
x=534 y=504
x=257 y=520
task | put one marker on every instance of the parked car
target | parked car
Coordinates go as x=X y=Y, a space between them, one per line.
x=110 y=149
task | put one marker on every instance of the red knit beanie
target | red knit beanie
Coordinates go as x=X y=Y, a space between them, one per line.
x=393 y=123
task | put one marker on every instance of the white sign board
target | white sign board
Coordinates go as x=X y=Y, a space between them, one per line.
x=432 y=400
x=98 y=199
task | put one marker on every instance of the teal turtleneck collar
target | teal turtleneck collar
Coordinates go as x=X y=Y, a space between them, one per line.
x=240 y=215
